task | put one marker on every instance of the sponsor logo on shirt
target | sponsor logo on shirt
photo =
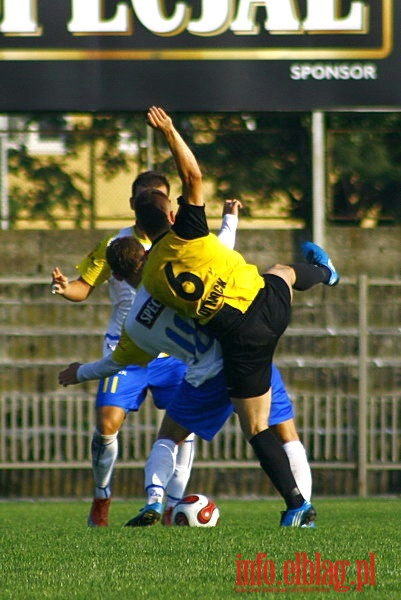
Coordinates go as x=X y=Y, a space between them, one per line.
x=212 y=301
x=149 y=312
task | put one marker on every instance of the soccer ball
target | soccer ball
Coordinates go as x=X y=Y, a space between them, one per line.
x=196 y=510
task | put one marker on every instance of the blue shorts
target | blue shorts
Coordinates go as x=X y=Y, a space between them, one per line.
x=128 y=388
x=205 y=409
x=281 y=409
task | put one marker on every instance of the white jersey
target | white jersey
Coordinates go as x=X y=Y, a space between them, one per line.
x=156 y=328
x=122 y=296
x=151 y=328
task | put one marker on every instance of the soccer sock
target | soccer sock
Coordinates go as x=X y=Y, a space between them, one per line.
x=159 y=469
x=185 y=457
x=300 y=467
x=309 y=275
x=276 y=465
x=104 y=450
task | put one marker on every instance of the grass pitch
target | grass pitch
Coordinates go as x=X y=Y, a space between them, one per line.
x=48 y=552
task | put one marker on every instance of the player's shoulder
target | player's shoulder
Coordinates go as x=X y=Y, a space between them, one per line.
x=124 y=232
x=100 y=250
x=130 y=231
x=94 y=268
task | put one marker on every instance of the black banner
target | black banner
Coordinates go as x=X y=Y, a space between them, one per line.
x=205 y=55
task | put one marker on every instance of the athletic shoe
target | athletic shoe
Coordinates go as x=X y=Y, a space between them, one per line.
x=317 y=256
x=99 y=512
x=167 y=518
x=149 y=515
x=304 y=516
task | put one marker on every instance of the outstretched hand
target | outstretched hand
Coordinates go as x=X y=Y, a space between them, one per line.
x=69 y=375
x=159 y=119
x=59 y=282
x=232 y=207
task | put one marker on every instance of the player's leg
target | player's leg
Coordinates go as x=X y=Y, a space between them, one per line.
x=318 y=269
x=319 y=258
x=165 y=378
x=177 y=485
x=273 y=459
x=300 y=276
x=104 y=449
x=281 y=420
x=202 y=410
x=159 y=469
x=104 y=452
x=247 y=359
x=253 y=414
x=296 y=453
x=115 y=397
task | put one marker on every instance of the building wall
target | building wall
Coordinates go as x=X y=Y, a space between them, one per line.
x=375 y=252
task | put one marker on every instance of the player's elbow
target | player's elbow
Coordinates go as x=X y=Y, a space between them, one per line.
x=194 y=180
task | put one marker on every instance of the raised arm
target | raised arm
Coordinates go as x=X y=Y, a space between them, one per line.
x=229 y=223
x=187 y=166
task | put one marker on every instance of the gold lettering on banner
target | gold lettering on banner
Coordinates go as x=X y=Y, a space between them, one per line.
x=239 y=17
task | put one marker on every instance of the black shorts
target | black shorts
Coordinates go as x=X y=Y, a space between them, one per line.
x=249 y=340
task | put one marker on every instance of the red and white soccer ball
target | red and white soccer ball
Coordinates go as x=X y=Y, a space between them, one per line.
x=196 y=510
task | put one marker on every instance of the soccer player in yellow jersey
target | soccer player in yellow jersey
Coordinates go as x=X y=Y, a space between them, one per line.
x=125 y=391
x=189 y=270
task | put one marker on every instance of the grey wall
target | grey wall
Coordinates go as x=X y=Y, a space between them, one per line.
x=376 y=252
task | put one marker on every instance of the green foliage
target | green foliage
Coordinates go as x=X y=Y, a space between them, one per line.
x=262 y=158
x=47 y=552
x=364 y=152
x=257 y=158
x=49 y=188
x=105 y=133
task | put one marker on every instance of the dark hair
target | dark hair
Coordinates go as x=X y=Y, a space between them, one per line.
x=125 y=256
x=152 y=208
x=150 y=179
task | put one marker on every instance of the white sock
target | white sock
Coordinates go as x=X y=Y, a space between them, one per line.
x=159 y=469
x=185 y=457
x=104 y=450
x=300 y=467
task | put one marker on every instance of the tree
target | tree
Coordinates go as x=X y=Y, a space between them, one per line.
x=365 y=167
x=262 y=158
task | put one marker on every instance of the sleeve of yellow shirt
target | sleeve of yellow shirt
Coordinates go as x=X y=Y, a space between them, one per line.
x=94 y=268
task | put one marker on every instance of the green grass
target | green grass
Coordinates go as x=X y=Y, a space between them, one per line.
x=46 y=551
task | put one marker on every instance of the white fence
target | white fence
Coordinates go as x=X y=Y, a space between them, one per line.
x=42 y=431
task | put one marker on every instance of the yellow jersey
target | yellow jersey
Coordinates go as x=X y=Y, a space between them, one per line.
x=198 y=275
x=94 y=268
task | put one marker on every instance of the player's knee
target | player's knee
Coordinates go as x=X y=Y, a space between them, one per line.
x=253 y=428
x=108 y=430
x=109 y=420
x=287 y=431
x=286 y=272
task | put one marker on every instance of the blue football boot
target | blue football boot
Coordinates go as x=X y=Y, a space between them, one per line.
x=149 y=515
x=304 y=516
x=317 y=256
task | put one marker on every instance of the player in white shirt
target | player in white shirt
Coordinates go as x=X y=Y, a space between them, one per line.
x=127 y=389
